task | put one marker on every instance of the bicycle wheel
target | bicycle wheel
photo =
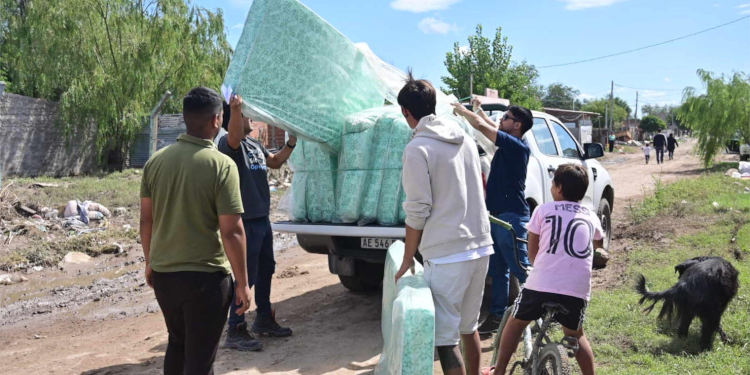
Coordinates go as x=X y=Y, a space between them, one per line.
x=553 y=360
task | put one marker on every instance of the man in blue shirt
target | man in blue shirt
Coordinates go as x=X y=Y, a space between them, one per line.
x=505 y=199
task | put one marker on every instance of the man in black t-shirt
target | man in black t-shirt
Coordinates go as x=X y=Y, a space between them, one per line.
x=659 y=142
x=252 y=161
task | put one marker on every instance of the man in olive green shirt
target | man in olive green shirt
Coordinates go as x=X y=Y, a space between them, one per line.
x=190 y=195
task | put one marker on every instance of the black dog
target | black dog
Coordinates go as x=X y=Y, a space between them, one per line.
x=705 y=287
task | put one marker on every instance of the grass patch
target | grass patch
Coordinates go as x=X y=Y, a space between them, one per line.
x=119 y=189
x=41 y=252
x=625 y=340
x=695 y=196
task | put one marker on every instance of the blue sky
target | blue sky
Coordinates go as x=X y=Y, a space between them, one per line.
x=418 y=33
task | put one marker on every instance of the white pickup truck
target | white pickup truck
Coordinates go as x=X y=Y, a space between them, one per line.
x=357 y=253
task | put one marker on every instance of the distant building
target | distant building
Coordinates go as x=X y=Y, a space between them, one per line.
x=578 y=122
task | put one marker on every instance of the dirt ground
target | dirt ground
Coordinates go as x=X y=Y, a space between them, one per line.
x=100 y=318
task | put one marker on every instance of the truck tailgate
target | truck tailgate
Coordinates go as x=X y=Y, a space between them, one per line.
x=344 y=230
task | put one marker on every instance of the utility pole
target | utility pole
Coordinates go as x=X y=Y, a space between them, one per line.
x=611 y=106
x=636 y=106
x=471 y=84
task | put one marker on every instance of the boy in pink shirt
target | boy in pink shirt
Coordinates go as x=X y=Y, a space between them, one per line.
x=560 y=248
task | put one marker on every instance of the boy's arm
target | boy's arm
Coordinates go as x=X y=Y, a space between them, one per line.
x=413 y=237
x=418 y=203
x=533 y=246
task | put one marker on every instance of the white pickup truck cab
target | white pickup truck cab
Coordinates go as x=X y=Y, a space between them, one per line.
x=357 y=253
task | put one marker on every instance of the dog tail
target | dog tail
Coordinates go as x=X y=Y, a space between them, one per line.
x=665 y=296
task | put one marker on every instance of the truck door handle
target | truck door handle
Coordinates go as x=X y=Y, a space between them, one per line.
x=551 y=169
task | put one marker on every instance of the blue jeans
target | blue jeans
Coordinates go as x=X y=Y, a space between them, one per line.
x=260 y=266
x=503 y=261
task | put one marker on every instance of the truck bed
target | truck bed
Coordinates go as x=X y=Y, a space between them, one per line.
x=341 y=230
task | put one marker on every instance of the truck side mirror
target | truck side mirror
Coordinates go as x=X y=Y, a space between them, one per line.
x=593 y=150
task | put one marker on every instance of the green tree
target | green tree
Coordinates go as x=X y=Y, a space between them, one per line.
x=668 y=113
x=558 y=95
x=718 y=115
x=620 y=102
x=600 y=106
x=109 y=61
x=489 y=61
x=652 y=124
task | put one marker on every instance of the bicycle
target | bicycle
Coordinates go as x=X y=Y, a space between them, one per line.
x=541 y=354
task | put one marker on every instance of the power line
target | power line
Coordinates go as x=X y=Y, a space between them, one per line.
x=648 y=46
x=636 y=88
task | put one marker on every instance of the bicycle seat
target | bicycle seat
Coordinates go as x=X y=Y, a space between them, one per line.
x=554 y=308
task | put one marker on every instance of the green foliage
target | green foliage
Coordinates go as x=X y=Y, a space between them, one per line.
x=668 y=113
x=490 y=63
x=627 y=341
x=719 y=114
x=652 y=124
x=558 y=95
x=600 y=106
x=109 y=61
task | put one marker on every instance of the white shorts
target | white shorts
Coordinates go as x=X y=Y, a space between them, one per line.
x=457 y=290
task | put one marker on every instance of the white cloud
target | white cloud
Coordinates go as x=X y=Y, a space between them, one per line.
x=746 y=5
x=667 y=79
x=585 y=4
x=463 y=49
x=585 y=96
x=431 y=25
x=241 y=3
x=745 y=8
x=419 y=6
x=237 y=26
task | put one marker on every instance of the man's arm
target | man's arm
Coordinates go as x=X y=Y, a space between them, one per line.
x=278 y=159
x=599 y=244
x=233 y=237
x=533 y=246
x=486 y=127
x=413 y=238
x=147 y=223
x=238 y=127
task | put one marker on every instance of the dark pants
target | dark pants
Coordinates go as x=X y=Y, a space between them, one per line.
x=659 y=155
x=260 y=266
x=195 y=306
x=671 y=153
x=611 y=146
x=503 y=261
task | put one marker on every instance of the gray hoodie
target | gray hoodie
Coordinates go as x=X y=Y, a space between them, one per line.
x=444 y=193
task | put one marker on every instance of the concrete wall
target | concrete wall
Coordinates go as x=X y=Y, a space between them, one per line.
x=31 y=144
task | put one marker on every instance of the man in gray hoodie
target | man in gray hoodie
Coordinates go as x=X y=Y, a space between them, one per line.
x=446 y=219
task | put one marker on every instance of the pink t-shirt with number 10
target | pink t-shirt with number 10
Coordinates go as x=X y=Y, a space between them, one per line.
x=563 y=263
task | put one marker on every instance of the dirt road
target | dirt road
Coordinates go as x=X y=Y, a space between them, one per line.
x=116 y=327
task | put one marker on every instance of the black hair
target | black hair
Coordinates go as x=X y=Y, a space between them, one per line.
x=418 y=96
x=199 y=106
x=523 y=115
x=573 y=180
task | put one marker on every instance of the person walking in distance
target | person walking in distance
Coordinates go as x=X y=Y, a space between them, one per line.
x=671 y=145
x=660 y=141
x=191 y=233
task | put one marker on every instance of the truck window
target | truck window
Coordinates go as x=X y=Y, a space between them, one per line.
x=543 y=137
x=567 y=143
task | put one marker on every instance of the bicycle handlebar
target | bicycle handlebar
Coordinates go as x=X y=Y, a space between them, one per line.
x=509 y=227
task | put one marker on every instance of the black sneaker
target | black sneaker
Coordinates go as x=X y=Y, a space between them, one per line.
x=238 y=338
x=490 y=325
x=265 y=325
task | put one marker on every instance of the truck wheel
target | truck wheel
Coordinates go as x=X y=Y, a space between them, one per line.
x=367 y=278
x=605 y=216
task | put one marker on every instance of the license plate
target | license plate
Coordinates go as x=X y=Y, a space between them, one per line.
x=377 y=242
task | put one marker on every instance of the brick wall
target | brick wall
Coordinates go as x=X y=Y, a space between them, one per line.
x=31 y=144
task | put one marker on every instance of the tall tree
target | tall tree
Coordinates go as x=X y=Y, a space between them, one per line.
x=718 y=115
x=108 y=61
x=489 y=62
x=668 y=113
x=652 y=124
x=619 y=114
x=558 y=95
